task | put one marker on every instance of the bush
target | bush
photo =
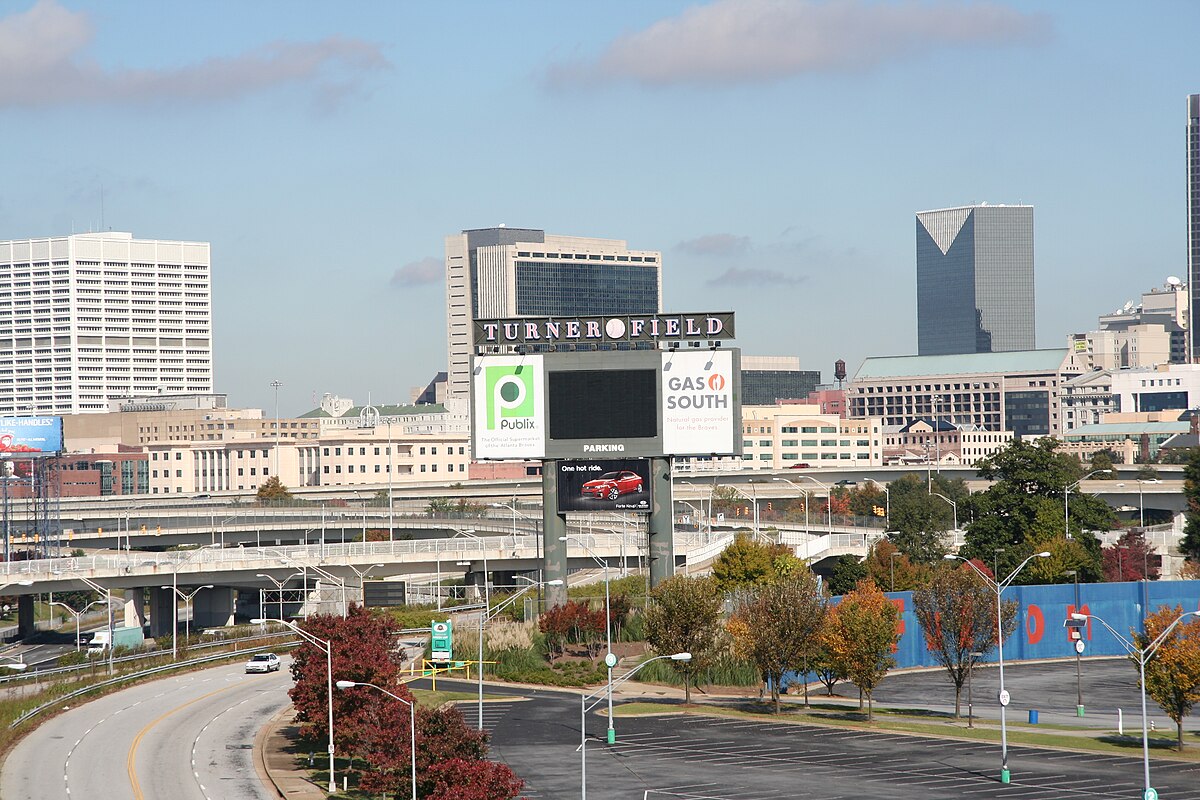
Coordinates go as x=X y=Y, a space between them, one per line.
x=504 y=635
x=72 y=658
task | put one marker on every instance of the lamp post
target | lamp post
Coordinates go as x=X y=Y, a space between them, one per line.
x=179 y=594
x=103 y=591
x=1067 y=492
x=327 y=646
x=1142 y=501
x=828 y=500
x=486 y=613
x=339 y=582
x=412 y=724
x=584 y=708
x=711 y=490
x=279 y=584
x=887 y=500
x=999 y=587
x=754 y=500
x=470 y=534
x=77 y=615
x=609 y=658
x=953 y=504
x=1142 y=655
x=362 y=579
x=892 y=567
x=1078 y=650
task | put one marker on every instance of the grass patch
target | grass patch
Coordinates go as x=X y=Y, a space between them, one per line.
x=896 y=721
x=428 y=697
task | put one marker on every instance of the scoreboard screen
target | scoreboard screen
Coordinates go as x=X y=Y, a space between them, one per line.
x=603 y=404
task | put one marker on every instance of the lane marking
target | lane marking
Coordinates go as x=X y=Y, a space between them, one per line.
x=131 y=759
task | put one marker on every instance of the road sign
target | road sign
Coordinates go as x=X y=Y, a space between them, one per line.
x=441 y=644
x=1004 y=697
x=1079 y=646
x=610 y=660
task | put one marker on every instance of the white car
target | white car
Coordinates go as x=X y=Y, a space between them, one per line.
x=263 y=662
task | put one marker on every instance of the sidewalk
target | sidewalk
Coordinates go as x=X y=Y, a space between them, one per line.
x=276 y=763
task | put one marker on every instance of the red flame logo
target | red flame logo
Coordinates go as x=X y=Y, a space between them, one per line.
x=716 y=382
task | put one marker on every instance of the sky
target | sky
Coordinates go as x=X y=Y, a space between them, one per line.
x=775 y=151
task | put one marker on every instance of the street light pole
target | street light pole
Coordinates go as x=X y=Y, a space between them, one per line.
x=187 y=610
x=108 y=596
x=609 y=658
x=275 y=384
x=412 y=724
x=584 y=708
x=887 y=501
x=999 y=587
x=1067 y=492
x=953 y=504
x=1078 y=650
x=327 y=646
x=1142 y=655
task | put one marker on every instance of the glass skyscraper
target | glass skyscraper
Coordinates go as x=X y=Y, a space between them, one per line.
x=1193 y=212
x=975 y=280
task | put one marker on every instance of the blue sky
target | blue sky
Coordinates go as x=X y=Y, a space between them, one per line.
x=775 y=151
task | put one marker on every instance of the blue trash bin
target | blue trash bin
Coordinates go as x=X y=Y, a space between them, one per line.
x=1033 y=716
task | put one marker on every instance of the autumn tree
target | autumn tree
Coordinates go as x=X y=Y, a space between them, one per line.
x=861 y=634
x=918 y=519
x=886 y=562
x=777 y=624
x=746 y=562
x=957 y=614
x=1131 y=558
x=273 y=492
x=363 y=648
x=1173 y=671
x=828 y=668
x=684 y=616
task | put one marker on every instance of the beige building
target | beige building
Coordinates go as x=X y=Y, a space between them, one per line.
x=925 y=441
x=1143 y=345
x=783 y=436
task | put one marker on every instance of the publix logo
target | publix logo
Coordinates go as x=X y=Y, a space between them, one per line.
x=510 y=398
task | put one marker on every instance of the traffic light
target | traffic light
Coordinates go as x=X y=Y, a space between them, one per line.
x=879 y=512
x=770 y=507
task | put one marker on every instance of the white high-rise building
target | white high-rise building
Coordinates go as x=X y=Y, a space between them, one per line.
x=92 y=317
x=513 y=272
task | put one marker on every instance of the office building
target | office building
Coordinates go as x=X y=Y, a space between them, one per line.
x=1144 y=334
x=975 y=280
x=1017 y=391
x=1193 y=220
x=511 y=272
x=800 y=436
x=929 y=441
x=767 y=380
x=88 y=318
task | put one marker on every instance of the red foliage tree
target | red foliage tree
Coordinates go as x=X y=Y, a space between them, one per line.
x=573 y=622
x=1130 y=559
x=364 y=651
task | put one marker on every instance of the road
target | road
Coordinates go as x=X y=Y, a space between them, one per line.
x=137 y=744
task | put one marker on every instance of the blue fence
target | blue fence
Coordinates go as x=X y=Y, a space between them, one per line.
x=1041 y=611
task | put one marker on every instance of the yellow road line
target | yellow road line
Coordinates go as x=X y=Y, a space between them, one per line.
x=131 y=760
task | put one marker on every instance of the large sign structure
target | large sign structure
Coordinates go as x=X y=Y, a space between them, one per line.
x=630 y=403
x=590 y=330
x=30 y=436
x=608 y=485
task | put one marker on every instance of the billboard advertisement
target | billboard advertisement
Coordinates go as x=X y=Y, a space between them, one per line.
x=698 y=404
x=605 y=485
x=508 y=407
x=30 y=436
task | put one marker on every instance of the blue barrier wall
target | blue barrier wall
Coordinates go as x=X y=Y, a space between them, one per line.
x=1041 y=611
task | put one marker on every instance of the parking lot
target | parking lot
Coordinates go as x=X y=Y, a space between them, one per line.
x=711 y=758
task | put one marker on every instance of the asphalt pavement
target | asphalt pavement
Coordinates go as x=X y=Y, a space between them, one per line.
x=187 y=737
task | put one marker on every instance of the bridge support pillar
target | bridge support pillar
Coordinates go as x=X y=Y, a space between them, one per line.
x=25 y=627
x=213 y=608
x=661 y=523
x=554 y=525
x=162 y=612
x=135 y=609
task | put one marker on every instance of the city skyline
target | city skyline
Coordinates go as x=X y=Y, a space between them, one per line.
x=326 y=152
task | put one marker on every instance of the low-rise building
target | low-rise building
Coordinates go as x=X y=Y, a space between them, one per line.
x=929 y=441
x=783 y=436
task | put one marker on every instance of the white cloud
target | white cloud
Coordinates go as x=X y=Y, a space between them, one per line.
x=43 y=61
x=749 y=41
x=419 y=273
x=715 y=244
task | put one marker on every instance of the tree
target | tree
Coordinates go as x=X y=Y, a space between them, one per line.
x=273 y=492
x=1146 y=472
x=683 y=616
x=1103 y=460
x=957 y=613
x=847 y=571
x=919 y=519
x=1025 y=504
x=1173 y=672
x=1132 y=558
x=363 y=647
x=777 y=626
x=886 y=562
x=861 y=635
x=826 y=666
x=1190 y=545
x=746 y=562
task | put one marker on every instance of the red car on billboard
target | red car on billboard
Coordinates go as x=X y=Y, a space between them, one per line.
x=612 y=485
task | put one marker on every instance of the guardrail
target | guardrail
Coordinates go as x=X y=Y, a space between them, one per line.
x=33 y=712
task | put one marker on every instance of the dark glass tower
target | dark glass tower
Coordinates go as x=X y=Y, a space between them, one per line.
x=1193 y=212
x=975 y=280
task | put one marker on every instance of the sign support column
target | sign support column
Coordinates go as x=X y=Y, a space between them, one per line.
x=660 y=525
x=554 y=526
